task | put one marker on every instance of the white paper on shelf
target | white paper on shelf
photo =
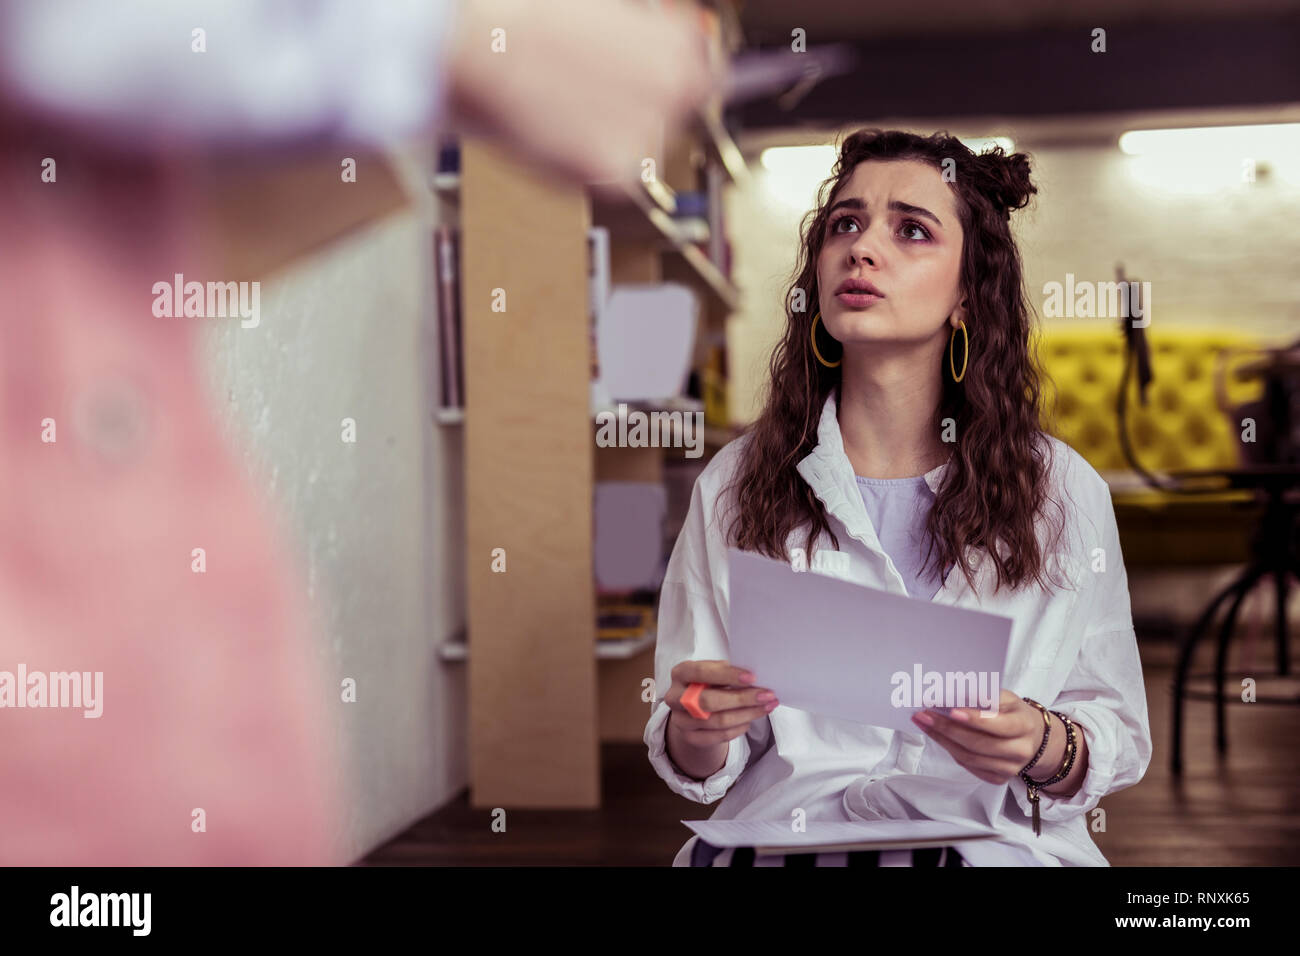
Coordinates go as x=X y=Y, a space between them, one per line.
x=645 y=337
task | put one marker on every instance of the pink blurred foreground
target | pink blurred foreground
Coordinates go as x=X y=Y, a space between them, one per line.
x=212 y=695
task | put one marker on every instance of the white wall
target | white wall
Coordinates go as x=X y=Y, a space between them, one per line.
x=378 y=525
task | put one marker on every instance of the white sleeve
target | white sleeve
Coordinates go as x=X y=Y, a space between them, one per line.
x=691 y=627
x=1104 y=692
x=373 y=73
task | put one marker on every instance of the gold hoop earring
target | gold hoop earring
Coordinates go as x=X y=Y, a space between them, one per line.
x=816 y=351
x=965 y=353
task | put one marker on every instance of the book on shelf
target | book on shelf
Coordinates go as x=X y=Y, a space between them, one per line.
x=597 y=295
x=691 y=220
x=701 y=216
x=448 y=157
x=714 y=382
x=624 y=621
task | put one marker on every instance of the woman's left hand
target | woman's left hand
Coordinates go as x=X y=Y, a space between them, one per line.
x=993 y=747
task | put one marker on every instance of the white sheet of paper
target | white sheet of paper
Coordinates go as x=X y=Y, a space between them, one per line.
x=645 y=336
x=832 y=647
x=898 y=834
x=997 y=853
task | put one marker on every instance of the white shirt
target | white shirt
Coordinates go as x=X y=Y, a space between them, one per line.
x=1072 y=650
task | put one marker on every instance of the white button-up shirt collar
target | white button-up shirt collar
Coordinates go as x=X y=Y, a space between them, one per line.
x=1072 y=649
x=828 y=472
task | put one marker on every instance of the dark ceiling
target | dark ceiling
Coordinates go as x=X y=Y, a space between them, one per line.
x=770 y=21
x=1028 y=59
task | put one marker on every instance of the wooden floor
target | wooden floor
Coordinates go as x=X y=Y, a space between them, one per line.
x=1243 y=810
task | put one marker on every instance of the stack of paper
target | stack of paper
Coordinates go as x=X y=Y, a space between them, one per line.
x=833 y=836
x=977 y=844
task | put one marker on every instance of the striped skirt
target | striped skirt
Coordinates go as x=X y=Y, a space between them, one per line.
x=705 y=854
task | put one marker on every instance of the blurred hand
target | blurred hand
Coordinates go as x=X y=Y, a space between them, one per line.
x=583 y=88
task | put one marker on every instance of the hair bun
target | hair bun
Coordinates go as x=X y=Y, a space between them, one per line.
x=1004 y=179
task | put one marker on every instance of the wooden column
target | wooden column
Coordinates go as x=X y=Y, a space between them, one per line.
x=528 y=437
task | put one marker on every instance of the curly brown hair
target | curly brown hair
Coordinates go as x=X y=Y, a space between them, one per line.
x=996 y=481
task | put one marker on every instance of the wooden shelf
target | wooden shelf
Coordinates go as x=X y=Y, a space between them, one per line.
x=636 y=211
x=680 y=404
x=721 y=147
x=457 y=648
x=613 y=650
x=537 y=707
x=698 y=264
x=633 y=212
x=446 y=185
x=714 y=436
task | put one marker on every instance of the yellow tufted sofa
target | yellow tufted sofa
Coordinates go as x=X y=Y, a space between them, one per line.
x=1181 y=427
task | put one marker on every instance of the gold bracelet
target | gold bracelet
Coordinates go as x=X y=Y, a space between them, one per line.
x=1047 y=730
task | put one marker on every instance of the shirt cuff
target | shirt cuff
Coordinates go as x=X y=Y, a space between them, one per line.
x=1096 y=782
x=701 y=791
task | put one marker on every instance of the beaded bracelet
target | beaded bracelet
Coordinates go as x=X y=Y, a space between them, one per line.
x=1047 y=730
x=1071 y=750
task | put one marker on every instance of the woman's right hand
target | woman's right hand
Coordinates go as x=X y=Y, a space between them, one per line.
x=699 y=745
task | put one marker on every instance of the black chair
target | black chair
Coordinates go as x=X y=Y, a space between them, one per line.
x=1276 y=554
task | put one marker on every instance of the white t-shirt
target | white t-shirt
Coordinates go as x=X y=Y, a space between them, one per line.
x=898 y=508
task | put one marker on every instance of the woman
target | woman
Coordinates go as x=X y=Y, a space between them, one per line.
x=902 y=430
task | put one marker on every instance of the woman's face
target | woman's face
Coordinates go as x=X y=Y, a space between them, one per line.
x=894 y=224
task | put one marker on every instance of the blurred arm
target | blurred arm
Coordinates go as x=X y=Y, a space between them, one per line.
x=284 y=71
